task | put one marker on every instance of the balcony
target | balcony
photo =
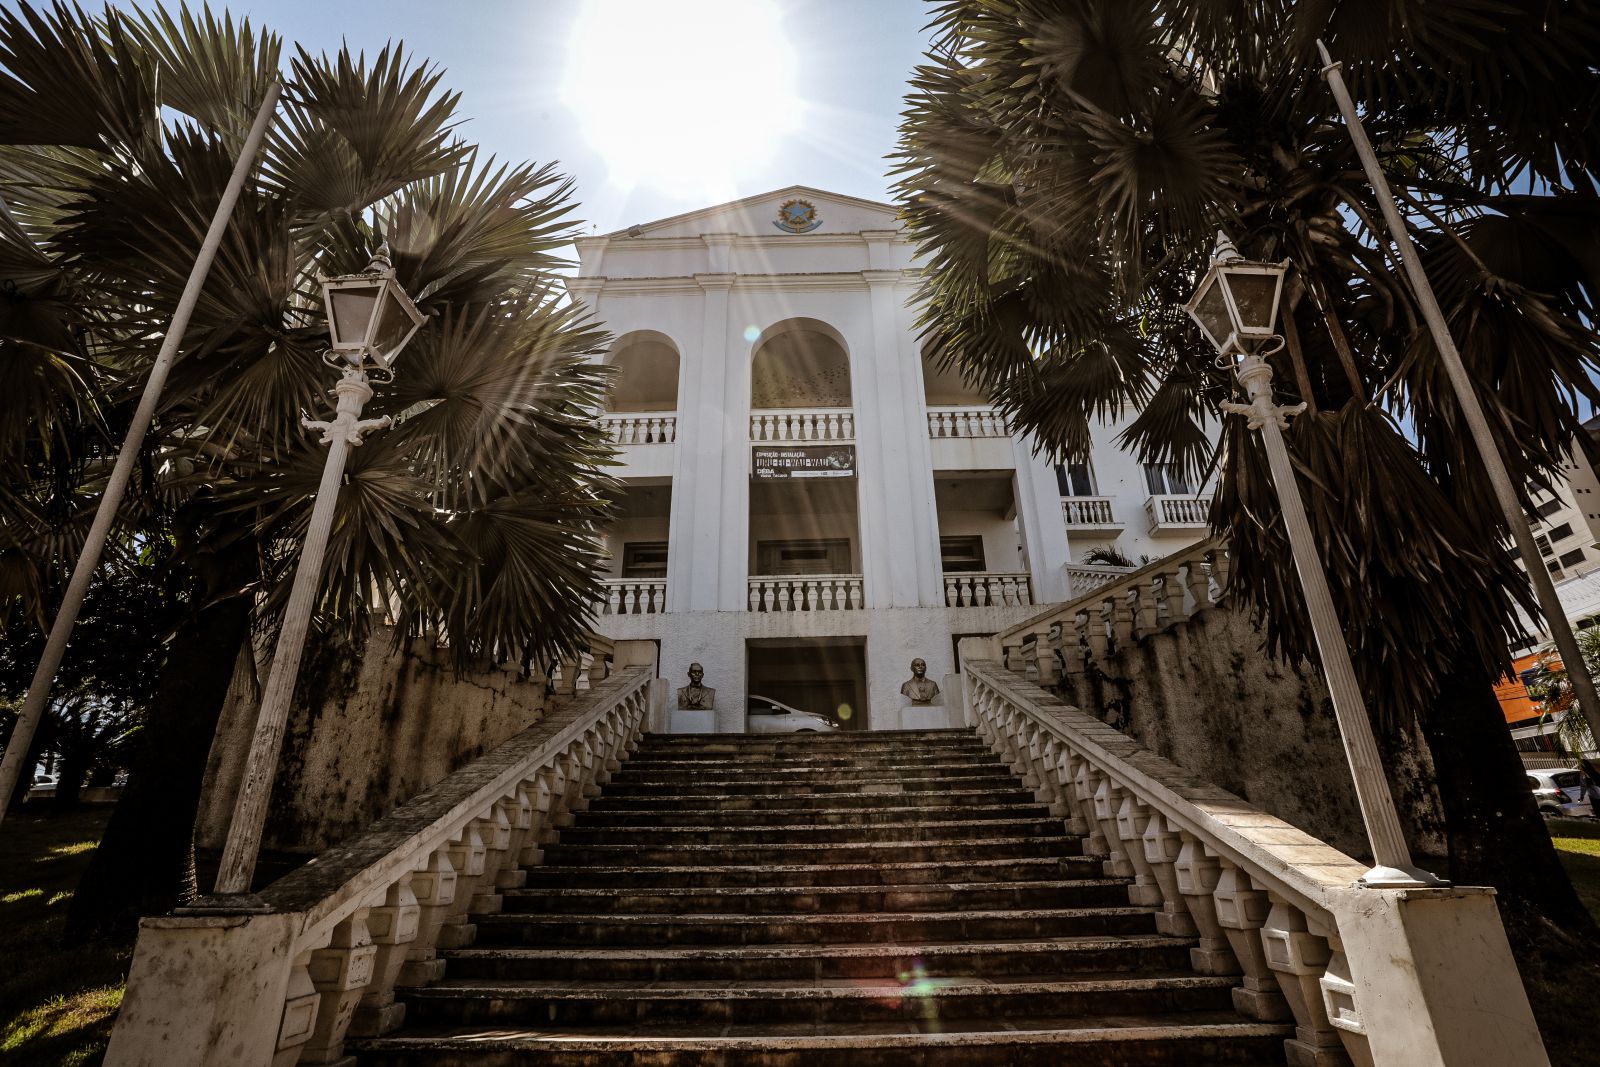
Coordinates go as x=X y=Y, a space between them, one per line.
x=810 y=592
x=966 y=421
x=1089 y=515
x=1176 y=512
x=803 y=424
x=634 y=596
x=641 y=428
x=988 y=589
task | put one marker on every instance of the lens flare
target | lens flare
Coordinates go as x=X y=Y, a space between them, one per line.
x=844 y=712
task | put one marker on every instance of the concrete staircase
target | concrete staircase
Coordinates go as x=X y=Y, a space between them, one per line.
x=866 y=899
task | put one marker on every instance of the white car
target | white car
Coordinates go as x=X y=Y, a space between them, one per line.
x=768 y=716
x=1558 y=791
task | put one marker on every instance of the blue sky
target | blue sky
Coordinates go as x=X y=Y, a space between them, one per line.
x=512 y=63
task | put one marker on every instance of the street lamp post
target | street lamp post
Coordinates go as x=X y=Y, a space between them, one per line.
x=370 y=319
x=1236 y=307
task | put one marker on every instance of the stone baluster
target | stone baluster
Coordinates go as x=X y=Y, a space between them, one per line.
x=466 y=853
x=541 y=791
x=1199 y=583
x=613 y=599
x=1221 y=568
x=1133 y=819
x=519 y=809
x=1106 y=799
x=1339 y=1002
x=1170 y=597
x=1242 y=911
x=393 y=927
x=1051 y=792
x=1162 y=847
x=1299 y=959
x=496 y=832
x=1061 y=776
x=1083 y=787
x=855 y=594
x=339 y=973
x=599 y=669
x=1142 y=603
x=1198 y=873
x=300 y=1002
x=568 y=686
x=1100 y=631
x=1122 y=618
x=434 y=887
x=1046 y=664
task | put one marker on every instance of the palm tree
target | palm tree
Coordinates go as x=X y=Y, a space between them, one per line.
x=1066 y=167
x=476 y=516
x=1555 y=694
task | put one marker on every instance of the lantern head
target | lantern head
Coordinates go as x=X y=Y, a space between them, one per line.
x=1237 y=301
x=369 y=315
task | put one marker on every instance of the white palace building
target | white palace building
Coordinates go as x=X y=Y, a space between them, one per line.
x=808 y=504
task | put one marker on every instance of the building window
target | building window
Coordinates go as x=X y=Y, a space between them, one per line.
x=1166 y=479
x=1548 y=508
x=784 y=558
x=1075 y=479
x=961 y=555
x=644 y=559
x=1573 y=558
x=1543 y=544
x=1564 y=530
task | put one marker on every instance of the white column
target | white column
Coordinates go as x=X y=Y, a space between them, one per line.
x=733 y=371
x=924 y=513
x=889 y=420
x=1044 y=533
x=696 y=537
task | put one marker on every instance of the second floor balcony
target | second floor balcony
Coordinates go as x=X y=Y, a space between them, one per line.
x=808 y=592
x=642 y=427
x=1090 y=515
x=802 y=424
x=1176 y=512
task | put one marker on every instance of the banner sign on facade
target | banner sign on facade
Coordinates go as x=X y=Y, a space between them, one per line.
x=805 y=461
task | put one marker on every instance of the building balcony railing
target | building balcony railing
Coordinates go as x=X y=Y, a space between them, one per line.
x=641 y=428
x=803 y=424
x=1176 y=512
x=1083 y=579
x=634 y=596
x=988 y=589
x=1089 y=514
x=966 y=421
x=810 y=592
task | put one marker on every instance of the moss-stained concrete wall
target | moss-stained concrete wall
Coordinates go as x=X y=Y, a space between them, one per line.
x=363 y=738
x=1206 y=695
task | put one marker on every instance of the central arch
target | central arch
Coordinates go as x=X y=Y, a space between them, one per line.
x=800 y=363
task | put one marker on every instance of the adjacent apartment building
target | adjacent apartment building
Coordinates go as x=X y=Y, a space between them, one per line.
x=808 y=504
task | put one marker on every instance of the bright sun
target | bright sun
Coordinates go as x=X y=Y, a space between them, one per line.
x=683 y=96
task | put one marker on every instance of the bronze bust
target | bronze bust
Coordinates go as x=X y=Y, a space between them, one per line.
x=919 y=687
x=694 y=696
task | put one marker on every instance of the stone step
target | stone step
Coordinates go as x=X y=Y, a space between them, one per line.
x=909 y=757
x=1026 y=869
x=997 y=780
x=789 y=799
x=803 y=773
x=847 y=1002
x=833 y=900
x=810 y=833
x=810 y=929
x=990 y=959
x=1189 y=1039
x=748 y=742
x=613 y=814
x=952 y=851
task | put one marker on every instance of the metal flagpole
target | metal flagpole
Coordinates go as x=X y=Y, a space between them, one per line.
x=89 y=559
x=1493 y=463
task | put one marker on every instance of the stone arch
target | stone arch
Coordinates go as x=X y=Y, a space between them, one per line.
x=800 y=363
x=648 y=366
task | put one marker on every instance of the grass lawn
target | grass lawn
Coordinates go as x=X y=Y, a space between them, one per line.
x=56 y=1004
x=1578 y=841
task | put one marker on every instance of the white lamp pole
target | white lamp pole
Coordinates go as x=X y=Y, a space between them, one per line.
x=1494 y=465
x=370 y=319
x=15 y=762
x=1236 y=307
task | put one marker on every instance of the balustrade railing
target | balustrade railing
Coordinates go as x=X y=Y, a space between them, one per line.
x=793 y=424
x=1132 y=604
x=640 y=428
x=966 y=421
x=814 y=592
x=287 y=986
x=1177 y=512
x=1257 y=893
x=1088 y=512
x=634 y=596
x=1083 y=579
x=988 y=589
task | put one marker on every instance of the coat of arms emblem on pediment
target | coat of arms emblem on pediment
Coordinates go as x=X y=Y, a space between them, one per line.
x=797 y=216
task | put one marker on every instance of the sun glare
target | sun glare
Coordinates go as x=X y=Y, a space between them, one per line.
x=684 y=95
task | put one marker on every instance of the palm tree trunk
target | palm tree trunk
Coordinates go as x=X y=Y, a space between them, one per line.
x=145 y=862
x=1496 y=835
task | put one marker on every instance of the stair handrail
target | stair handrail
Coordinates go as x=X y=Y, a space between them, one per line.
x=316 y=957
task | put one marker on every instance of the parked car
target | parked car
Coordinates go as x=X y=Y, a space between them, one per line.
x=1558 y=791
x=768 y=716
x=43 y=781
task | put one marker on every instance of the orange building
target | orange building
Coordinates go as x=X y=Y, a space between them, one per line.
x=1518 y=707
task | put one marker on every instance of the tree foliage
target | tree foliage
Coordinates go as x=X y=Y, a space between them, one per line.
x=476 y=515
x=1066 y=167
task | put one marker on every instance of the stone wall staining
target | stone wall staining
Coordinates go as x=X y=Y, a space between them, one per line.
x=1206 y=695
x=361 y=743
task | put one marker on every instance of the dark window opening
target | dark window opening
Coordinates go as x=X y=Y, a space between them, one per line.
x=644 y=559
x=961 y=555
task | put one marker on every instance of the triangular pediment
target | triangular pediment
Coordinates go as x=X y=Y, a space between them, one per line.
x=758 y=216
